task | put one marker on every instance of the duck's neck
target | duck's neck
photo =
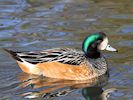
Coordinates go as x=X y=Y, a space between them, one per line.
x=93 y=54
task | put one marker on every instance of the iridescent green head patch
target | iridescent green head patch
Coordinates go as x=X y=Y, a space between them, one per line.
x=89 y=40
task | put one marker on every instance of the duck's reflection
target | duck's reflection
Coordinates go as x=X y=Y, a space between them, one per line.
x=96 y=93
x=47 y=88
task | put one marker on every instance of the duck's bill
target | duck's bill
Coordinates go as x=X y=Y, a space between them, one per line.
x=109 y=48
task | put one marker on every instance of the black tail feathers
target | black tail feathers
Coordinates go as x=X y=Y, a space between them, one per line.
x=13 y=54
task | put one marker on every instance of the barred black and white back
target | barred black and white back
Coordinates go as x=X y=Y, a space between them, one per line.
x=63 y=55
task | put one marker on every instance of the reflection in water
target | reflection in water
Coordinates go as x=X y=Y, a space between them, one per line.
x=47 y=88
x=96 y=93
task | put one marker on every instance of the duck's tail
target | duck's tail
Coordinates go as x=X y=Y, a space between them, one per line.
x=13 y=54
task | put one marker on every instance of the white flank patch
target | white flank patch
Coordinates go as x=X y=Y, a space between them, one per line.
x=29 y=65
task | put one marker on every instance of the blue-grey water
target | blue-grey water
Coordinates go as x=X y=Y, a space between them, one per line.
x=41 y=24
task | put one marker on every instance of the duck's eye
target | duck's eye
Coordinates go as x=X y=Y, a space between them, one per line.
x=99 y=41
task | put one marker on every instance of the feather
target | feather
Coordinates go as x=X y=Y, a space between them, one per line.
x=62 y=55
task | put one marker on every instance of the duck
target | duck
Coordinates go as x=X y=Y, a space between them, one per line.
x=67 y=63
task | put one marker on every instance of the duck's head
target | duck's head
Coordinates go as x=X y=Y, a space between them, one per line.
x=95 y=42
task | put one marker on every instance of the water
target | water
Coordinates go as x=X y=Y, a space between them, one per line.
x=42 y=24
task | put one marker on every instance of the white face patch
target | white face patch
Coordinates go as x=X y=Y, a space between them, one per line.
x=103 y=44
